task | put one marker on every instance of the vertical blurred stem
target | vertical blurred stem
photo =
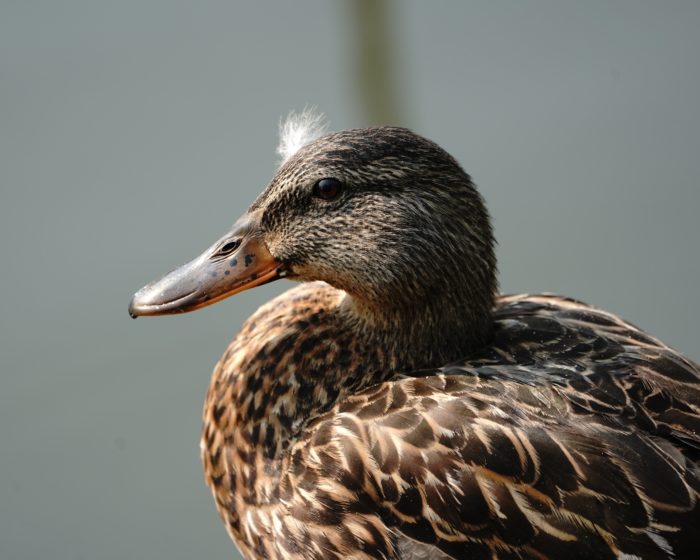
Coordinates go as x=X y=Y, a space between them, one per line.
x=374 y=64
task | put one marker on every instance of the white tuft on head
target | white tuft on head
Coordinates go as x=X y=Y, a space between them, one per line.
x=298 y=129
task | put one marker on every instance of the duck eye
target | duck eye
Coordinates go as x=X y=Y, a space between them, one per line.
x=328 y=189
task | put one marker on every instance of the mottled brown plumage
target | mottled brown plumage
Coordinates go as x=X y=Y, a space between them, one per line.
x=391 y=407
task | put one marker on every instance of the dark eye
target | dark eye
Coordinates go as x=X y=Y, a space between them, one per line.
x=328 y=189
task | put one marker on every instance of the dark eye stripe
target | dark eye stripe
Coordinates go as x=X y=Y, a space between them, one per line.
x=328 y=189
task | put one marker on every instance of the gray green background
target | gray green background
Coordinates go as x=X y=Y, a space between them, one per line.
x=133 y=133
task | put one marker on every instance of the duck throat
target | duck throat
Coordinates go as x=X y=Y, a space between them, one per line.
x=426 y=332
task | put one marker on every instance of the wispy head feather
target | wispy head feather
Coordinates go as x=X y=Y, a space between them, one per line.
x=298 y=129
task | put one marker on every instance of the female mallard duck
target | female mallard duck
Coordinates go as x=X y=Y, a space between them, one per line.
x=395 y=407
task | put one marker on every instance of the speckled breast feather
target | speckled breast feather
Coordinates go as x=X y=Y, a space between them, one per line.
x=569 y=436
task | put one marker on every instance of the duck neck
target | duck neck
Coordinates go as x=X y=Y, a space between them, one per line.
x=432 y=331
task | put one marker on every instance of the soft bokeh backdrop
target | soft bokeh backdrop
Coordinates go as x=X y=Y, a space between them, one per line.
x=133 y=133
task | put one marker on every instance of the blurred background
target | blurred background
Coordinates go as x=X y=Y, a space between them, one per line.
x=133 y=133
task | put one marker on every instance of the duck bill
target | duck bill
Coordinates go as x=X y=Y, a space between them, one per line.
x=238 y=261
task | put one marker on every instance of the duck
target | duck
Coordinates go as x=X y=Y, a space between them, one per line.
x=394 y=405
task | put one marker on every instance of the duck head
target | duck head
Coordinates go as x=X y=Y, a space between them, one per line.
x=381 y=213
